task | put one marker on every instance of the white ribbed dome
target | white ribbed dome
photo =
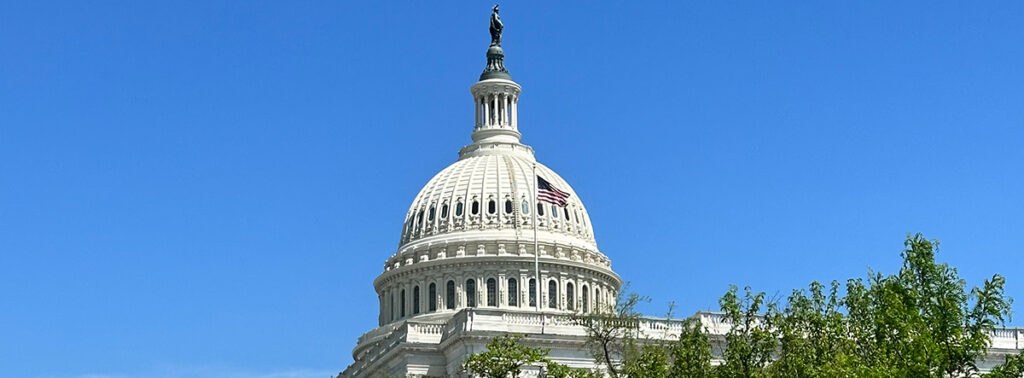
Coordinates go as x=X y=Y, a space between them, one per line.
x=470 y=238
x=494 y=193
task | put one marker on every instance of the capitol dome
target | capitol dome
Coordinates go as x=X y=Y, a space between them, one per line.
x=478 y=234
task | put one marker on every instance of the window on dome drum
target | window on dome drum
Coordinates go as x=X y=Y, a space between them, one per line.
x=513 y=292
x=475 y=208
x=470 y=293
x=402 y=303
x=444 y=211
x=533 y=292
x=415 y=300
x=570 y=302
x=391 y=305
x=554 y=211
x=597 y=299
x=449 y=302
x=491 y=207
x=419 y=219
x=432 y=301
x=552 y=294
x=585 y=304
x=430 y=217
x=526 y=207
x=492 y=292
x=566 y=211
x=540 y=209
x=508 y=206
x=458 y=209
x=576 y=214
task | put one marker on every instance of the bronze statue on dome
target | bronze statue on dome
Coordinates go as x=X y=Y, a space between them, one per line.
x=496 y=27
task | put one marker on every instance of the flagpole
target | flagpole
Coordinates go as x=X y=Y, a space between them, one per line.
x=536 y=247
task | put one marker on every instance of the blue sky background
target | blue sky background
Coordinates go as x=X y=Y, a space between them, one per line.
x=208 y=188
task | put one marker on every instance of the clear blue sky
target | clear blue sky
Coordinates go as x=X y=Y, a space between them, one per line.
x=208 y=188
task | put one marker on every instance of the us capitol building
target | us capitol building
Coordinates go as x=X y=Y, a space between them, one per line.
x=472 y=244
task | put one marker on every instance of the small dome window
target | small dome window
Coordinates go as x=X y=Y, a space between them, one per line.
x=526 y=207
x=491 y=207
x=444 y=211
x=508 y=206
x=458 y=209
x=576 y=214
x=564 y=210
x=430 y=217
x=419 y=219
x=475 y=208
x=540 y=209
x=554 y=211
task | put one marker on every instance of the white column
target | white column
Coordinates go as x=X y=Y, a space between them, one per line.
x=524 y=287
x=500 y=99
x=479 y=111
x=515 y=112
x=487 y=111
x=502 y=291
x=494 y=108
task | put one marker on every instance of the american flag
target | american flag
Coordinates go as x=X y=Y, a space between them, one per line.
x=550 y=194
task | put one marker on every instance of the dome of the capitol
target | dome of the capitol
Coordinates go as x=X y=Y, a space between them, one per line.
x=484 y=229
x=495 y=233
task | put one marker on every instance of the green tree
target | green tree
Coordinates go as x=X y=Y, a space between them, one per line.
x=749 y=343
x=1013 y=367
x=505 y=357
x=691 y=355
x=922 y=321
x=612 y=331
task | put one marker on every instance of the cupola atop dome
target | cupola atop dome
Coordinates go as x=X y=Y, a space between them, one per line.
x=496 y=97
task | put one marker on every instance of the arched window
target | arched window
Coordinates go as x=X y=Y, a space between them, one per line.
x=391 y=305
x=432 y=301
x=415 y=300
x=566 y=211
x=570 y=302
x=470 y=293
x=419 y=219
x=526 y=207
x=513 y=292
x=449 y=302
x=508 y=206
x=430 y=216
x=585 y=305
x=540 y=209
x=491 y=207
x=576 y=214
x=475 y=208
x=552 y=294
x=533 y=292
x=492 y=292
x=402 y=303
x=554 y=211
x=444 y=211
x=597 y=300
x=458 y=209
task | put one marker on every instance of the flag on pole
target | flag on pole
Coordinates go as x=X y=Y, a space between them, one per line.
x=550 y=194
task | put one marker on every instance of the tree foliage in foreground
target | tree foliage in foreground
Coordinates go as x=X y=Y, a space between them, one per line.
x=919 y=322
x=506 y=356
